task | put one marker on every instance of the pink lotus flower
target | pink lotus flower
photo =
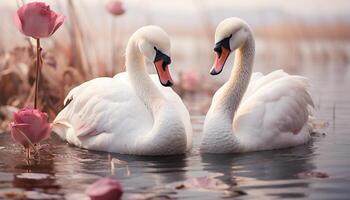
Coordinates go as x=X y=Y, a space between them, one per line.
x=105 y=189
x=37 y=20
x=30 y=124
x=115 y=7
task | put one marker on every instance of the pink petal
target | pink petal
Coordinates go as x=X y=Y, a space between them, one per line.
x=36 y=20
x=36 y=129
x=43 y=116
x=18 y=22
x=203 y=183
x=19 y=125
x=46 y=133
x=105 y=189
x=17 y=117
x=115 y=7
x=17 y=136
x=59 y=19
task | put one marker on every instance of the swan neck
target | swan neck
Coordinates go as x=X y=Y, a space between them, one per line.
x=240 y=76
x=140 y=80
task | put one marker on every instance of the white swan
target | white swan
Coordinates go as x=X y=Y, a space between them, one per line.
x=253 y=112
x=131 y=113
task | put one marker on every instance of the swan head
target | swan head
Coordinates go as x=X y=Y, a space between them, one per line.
x=154 y=43
x=230 y=34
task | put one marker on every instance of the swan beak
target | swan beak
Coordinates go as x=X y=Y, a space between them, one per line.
x=222 y=54
x=163 y=73
x=162 y=62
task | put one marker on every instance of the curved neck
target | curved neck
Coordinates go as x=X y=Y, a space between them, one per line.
x=143 y=85
x=236 y=86
x=165 y=126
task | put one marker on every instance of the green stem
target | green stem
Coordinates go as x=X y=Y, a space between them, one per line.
x=38 y=68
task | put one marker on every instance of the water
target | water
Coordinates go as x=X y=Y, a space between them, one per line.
x=299 y=172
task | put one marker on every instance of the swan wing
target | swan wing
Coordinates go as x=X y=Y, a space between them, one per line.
x=102 y=105
x=275 y=113
x=258 y=80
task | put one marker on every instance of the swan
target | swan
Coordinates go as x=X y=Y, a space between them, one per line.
x=253 y=112
x=131 y=113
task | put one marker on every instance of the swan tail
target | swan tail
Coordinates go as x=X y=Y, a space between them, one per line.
x=305 y=86
x=317 y=124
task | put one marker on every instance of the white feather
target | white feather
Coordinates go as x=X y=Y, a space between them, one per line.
x=260 y=113
x=107 y=114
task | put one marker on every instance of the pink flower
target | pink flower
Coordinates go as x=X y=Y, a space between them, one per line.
x=190 y=80
x=105 y=189
x=115 y=7
x=37 y=20
x=33 y=124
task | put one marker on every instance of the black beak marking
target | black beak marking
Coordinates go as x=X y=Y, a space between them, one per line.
x=168 y=84
x=161 y=56
x=213 y=72
x=225 y=43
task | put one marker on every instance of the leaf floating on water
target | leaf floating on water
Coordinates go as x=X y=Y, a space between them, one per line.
x=206 y=183
x=34 y=176
x=313 y=174
x=105 y=189
x=203 y=183
x=180 y=186
x=11 y=194
x=231 y=194
x=85 y=160
x=149 y=197
x=76 y=196
x=39 y=195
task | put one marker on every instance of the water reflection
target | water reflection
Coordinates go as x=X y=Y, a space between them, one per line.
x=269 y=174
x=267 y=165
x=35 y=180
x=259 y=167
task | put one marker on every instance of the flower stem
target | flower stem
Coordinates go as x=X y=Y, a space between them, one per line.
x=30 y=145
x=28 y=153
x=113 y=48
x=38 y=68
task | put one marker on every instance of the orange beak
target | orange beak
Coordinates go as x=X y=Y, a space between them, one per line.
x=220 y=61
x=163 y=73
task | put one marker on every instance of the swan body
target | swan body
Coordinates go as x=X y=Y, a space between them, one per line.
x=252 y=111
x=131 y=113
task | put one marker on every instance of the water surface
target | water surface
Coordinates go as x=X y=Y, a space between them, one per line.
x=294 y=173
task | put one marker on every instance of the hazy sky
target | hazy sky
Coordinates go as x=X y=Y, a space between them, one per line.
x=303 y=7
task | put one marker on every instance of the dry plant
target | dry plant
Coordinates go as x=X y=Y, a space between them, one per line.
x=64 y=66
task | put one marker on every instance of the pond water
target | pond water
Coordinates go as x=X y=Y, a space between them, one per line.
x=318 y=170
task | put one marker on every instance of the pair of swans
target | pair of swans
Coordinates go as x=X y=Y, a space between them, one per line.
x=132 y=113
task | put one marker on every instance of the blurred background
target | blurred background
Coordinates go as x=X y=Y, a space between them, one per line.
x=307 y=37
